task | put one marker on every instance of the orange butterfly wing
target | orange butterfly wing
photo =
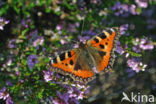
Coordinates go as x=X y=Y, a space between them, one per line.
x=106 y=44
x=65 y=64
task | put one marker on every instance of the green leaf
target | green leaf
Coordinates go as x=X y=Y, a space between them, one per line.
x=16 y=9
x=24 y=32
x=24 y=62
x=134 y=53
x=40 y=94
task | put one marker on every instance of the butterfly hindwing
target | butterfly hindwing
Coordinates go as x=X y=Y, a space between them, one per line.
x=66 y=64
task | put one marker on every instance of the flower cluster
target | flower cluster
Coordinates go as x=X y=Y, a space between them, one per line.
x=142 y=44
x=136 y=65
x=48 y=75
x=123 y=9
x=5 y=96
x=38 y=41
x=138 y=46
x=74 y=93
x=32 y=60
x=142 y=3
x=72 y=96
x=119 y=49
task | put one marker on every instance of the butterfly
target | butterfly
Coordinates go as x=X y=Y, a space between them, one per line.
x=90 y=58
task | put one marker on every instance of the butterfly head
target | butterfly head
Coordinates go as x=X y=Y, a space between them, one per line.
x=82 y=45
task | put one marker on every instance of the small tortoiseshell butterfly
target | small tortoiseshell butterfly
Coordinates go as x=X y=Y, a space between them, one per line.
x=95 y=56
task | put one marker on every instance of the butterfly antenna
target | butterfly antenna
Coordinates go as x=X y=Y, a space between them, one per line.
x=73 y=41
x=82 y=26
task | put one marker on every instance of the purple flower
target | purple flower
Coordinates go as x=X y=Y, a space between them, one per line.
x=132 y=9
x=64 y=99
x=122 y=9
x=61 y=98
x=3 y=22
x=9 y=62
x=89 y=32
x=48 y=75
x=25 y=23
x=32 y=36
x=38 y=41
x=143 y=44
x=32 y=60
x=5 y=96
x=17 y=73
x=3 y=93
x=119 y=49
x=136 y=65
x=21 y=81
x=60 y=26
x=136 y=49
x=73 y=94
x=118 y=8
x=34 y=39
x=64 y=40
x=136 y=45
x=12 y=43
x=142 y=3
x=83 y=39
x=76 y=91
x=72 y=27
x=123 y=28
x=8 y=83
x=9 y=100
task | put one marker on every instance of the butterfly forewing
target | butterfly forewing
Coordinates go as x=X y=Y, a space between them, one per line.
x=104 y=43
x=69 y=63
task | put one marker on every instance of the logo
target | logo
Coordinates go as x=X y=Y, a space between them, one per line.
x=138 y=97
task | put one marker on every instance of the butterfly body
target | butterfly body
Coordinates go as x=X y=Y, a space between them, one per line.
x=92 y=57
